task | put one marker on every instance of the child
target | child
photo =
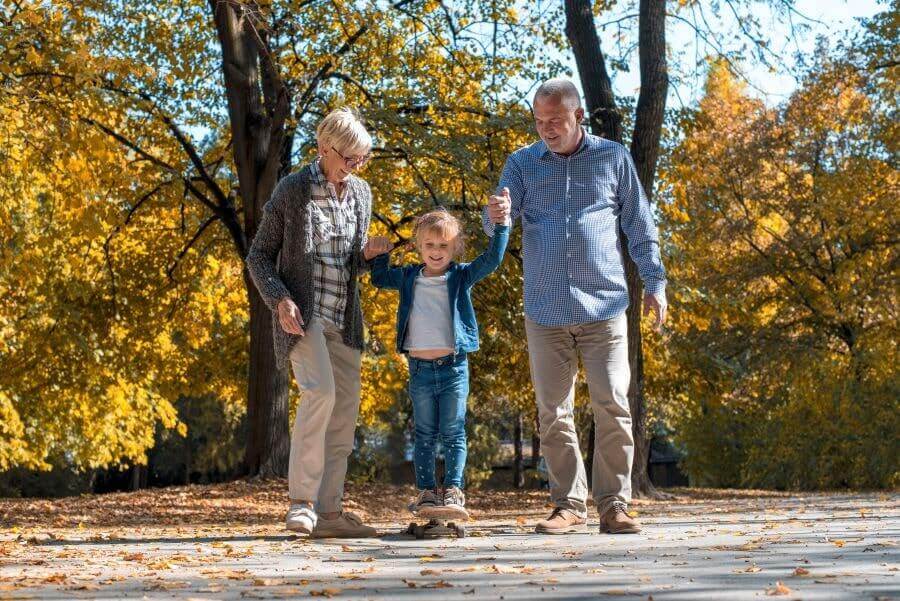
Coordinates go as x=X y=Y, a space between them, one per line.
x=436 y=328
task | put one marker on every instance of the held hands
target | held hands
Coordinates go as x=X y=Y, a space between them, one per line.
x=289 y=317
x=377 y=245
x=499 y=207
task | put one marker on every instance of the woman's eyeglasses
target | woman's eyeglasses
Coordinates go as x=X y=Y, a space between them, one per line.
x=353 y=162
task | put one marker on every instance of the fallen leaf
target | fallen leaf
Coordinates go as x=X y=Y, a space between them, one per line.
x=801 y=572
x=431 y=557
x=778 y=589
x=87 y=586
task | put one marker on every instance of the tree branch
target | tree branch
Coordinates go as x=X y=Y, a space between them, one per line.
x=171 y=270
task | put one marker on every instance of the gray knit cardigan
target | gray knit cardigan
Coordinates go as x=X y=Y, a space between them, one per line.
x=281 y=257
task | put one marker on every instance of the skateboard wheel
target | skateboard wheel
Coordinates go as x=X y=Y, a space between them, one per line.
x=460 y=531
x=411 y=529
x=419 y=531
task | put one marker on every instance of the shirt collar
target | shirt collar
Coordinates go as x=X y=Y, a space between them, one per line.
x=317 y=173
x=547 y=153
x=450 y=267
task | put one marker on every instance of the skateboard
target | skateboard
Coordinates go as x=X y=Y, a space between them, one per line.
x=436 y=528
x=439 y=523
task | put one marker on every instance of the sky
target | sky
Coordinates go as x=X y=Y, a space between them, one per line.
x=832 y=19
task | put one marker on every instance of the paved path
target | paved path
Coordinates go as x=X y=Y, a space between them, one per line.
x=816 y=547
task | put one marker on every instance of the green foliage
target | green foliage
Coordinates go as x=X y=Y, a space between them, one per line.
x=781 y=371
x=483 y=453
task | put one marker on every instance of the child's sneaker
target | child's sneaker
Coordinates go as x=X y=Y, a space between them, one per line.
x=425 y=503
x=454 y=505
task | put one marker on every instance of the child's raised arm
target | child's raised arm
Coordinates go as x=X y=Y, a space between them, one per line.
x=485 y=263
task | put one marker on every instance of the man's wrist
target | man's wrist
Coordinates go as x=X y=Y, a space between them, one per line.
x=655 y=287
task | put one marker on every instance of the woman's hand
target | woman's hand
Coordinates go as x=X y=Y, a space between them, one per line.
x=377 y=245
x=289 y=317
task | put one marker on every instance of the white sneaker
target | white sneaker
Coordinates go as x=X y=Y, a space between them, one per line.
x=301 y=518
x=454 y=504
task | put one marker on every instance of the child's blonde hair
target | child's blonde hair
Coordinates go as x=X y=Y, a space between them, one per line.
x=442 y=222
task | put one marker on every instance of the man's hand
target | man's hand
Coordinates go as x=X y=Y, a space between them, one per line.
x=289 y=317
x=499 y=207
x=377 y=245
x=657 y=303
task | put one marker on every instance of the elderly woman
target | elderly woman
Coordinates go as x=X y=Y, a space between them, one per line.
x=304 y=260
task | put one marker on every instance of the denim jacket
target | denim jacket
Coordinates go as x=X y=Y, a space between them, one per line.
x=460 y=279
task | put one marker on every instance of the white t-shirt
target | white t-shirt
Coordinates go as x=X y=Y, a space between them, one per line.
x=430 y=323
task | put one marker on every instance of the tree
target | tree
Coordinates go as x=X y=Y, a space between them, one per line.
x=258 y=108
x=605 y=120
x=131 y=193
x=785 y=228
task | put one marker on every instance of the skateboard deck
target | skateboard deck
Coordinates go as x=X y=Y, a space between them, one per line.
x=439 y=513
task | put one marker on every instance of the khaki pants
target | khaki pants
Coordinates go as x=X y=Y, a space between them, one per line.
x=553 y=355
x=328 y=374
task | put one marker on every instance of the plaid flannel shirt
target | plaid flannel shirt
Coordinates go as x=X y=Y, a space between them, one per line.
x=334 y=226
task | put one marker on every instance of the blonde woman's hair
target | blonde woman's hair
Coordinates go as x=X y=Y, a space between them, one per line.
x=343 y=129
x=442 y=222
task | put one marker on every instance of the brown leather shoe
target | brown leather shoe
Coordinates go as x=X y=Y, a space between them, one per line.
x=617 y=521
x=561 y=521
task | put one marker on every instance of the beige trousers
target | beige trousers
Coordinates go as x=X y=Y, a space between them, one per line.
x=553 y=355
x=328 y=374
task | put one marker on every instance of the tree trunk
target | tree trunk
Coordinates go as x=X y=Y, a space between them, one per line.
x=268 y=438
x=518 y=463
x=606 y=121
x=187 y=459
x=258 y=105
x=604 y=117
x=589 y=460
x=138 y=477
x=535 y=443
x=651 y=108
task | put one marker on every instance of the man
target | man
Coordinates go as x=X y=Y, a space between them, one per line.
x=571 y=191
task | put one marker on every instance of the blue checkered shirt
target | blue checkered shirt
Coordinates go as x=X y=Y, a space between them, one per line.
x=570 y=209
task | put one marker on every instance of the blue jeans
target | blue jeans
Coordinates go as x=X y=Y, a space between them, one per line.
x=438 y=390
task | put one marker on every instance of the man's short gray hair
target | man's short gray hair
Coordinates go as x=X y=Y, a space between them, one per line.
x=562 y=88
